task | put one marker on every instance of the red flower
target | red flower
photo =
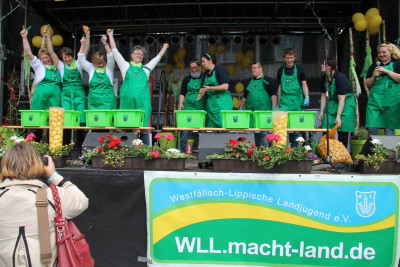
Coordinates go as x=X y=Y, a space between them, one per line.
x=267 y=157
x=253 y=146
x=99 y=149
x=250 y=152
x=115 y=142
x=101 y=139
x=288 y=149
x=109 y=135
x=233 y=142
x=232 y=155
x=243 y=138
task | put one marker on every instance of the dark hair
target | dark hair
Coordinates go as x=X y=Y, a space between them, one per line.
x=194 y=60
x=98 y=57
x=257 y=63
x=289 y=51
x=210 y=57
x=331 y=62
x=66 y=51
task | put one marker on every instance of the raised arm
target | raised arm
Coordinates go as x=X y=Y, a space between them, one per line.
x=163 y=50
x=25 y=44
x=110 y=33
x=106 y=45
x=86 y=30
x=49 y=45
x=83 y=44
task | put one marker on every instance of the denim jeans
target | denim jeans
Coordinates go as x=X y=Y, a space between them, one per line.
x=184 y=137
x=374 y=131
x=263 y=141
x=145 y=137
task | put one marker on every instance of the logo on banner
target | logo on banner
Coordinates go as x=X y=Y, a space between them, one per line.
x=365 y=203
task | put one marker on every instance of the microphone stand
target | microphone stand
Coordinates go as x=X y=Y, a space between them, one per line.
x=328 y=38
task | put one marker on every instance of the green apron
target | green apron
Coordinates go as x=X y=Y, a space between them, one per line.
x=292 y=98
x=383 y=106
x=348 y=116
x=48 y=91
x=257 y=97
x=193 y=87
x=101 y=92
x=135 y=92
x=73 y=94
x=216 y=101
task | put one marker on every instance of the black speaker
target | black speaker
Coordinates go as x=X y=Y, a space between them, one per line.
x=386 y=140
x=92 y=142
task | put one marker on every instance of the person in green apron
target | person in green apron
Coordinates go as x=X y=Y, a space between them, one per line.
x=47 y=79
x=293 y=89
x=260 y=94
x=215 y=87
x=341 y=103
x=383 y=79
x=72 y=91
x=187 y=99
x=101 y=76
x=135 y=89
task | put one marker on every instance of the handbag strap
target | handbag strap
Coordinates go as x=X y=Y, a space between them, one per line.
x=43 y=226
x=57 y=201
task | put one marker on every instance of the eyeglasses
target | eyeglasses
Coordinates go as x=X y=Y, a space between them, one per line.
x=194 y=68
x=138 y=53
x=100 y=63
x=253 y=68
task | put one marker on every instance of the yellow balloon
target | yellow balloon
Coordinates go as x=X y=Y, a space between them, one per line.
x=247 y=61
x=221 y=48
x=168 y=69
x=181 y=52
x=357 y=16
x=241 y=65
x=239 y=88
x=239 y=56
x=180 y=64
x=57 y=40
x=176 y=58
x=371 y=12
x=361 y=25
x=250 y=54
x=236 y=102
x=373 y=31
x=49 y=29
x=375 y=21
x=231 y=69
x=212 y=49
x=37 y=41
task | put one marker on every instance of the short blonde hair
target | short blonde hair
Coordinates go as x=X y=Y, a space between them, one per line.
x=99 y=57
x=392 y=49
x=43 y=51
x=22 y=162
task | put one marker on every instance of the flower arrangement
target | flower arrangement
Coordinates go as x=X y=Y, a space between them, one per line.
x=114 y=152
x=267 y=157
x=379 y=154
x=44 y=148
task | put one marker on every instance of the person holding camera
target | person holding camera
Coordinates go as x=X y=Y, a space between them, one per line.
x=22 y=169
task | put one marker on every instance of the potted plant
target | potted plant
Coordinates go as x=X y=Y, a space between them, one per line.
x=242 y=156
x=111 y=154
x=380 y=159
x=58 y=153
x=357 y=141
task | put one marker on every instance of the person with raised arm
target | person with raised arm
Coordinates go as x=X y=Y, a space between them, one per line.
x=135 y=88
x=101 y=75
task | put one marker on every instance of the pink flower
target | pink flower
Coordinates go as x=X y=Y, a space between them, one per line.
x=30 y=136
x=270 y=137
x=155 y=154
x=169 y=136
x=157 y=136
x=277 y=137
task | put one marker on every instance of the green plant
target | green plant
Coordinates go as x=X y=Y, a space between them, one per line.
x=360 y=134
x=379 y=154
x=265 y=156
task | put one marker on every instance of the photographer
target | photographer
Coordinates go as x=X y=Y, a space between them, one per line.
x=21 y=169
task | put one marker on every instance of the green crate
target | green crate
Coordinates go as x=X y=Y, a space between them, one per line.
x=301 y=119
x=34 y=117
x=262 y=119
x=128 y=117
x=99 y=118
x=236 y=119
x=190 y=118
x=72 y=118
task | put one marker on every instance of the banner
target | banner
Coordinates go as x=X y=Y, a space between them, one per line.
x=215 y=219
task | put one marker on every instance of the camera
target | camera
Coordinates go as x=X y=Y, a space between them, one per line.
x=45 y=161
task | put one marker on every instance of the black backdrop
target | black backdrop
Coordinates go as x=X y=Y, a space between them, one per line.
x=115 y=222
